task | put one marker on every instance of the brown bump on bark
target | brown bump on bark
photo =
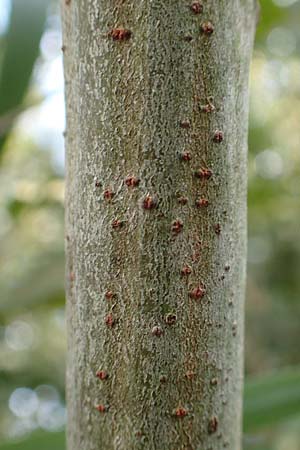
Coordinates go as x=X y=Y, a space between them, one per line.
x=67 y=2
x=203 y=173
x=157 y=331
x=110 y=321
x=117 y=223
x=186 y=270
x=202 y=203
x=72 y=276
x=217 y=228
x=212 y=425
x=63 y=48
x=149 y=202
x=101 y=408
x=185 y=124
x=108 y=194
x=163 y=379
x=102 y=375
x=186 y=156
x=207 y=28
x=234 y=328
x=177 y=226
x=197 y=293
x=182 y=200
x=214 y=381
x=190 y=375
x=170 y=319
x=132 y=181
x=196 y=7
x=218 y=136
x=180 y=412
x=207 y=108
x=188 y=38
x=109 y=295
x=120 y=34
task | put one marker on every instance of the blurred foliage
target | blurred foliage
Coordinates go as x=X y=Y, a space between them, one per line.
x=272 y=398
x=32 y=332
x=21 y=47
x=44 y=441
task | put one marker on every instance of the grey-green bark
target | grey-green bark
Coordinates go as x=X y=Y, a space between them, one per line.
x=147 y=104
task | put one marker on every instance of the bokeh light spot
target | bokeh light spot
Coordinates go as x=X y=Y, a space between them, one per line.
x=269 y=164
x=23 y=402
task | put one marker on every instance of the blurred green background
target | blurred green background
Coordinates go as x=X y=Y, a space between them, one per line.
x=32 y=321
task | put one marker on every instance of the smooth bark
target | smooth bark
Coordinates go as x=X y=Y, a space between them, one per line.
x=157 y=116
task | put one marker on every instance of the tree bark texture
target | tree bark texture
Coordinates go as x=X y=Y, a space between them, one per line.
x=157 y=116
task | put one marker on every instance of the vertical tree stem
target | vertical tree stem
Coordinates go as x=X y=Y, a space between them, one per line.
x=157 y=116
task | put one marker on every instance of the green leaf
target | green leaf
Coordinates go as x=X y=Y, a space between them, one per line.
x=21 y=50
x=38 y=441
x=271 y=399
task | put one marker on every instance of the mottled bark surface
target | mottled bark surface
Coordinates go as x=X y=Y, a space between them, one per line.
x=157 y=98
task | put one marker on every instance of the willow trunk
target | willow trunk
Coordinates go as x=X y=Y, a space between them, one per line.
x=157 y=117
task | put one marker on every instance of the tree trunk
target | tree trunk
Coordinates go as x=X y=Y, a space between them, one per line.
x=157 y=116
